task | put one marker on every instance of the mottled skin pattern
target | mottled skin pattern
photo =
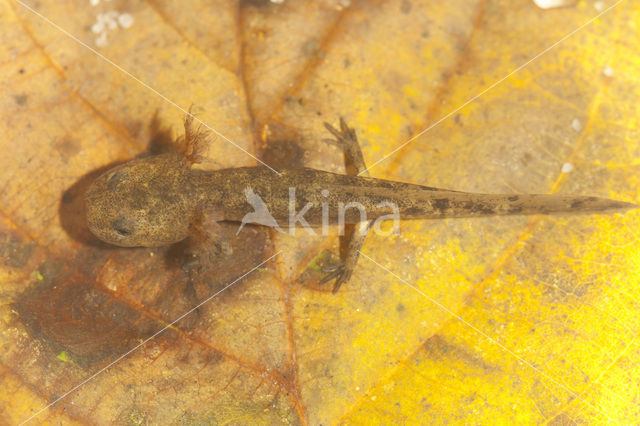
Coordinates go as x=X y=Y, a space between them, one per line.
x=154 y=201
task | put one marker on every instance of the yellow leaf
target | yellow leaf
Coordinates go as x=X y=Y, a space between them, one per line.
x=495 y=320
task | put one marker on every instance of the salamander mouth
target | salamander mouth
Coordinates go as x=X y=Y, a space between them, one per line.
x=123 y=227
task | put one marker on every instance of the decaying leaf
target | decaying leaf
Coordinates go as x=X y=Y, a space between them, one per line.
x=465 y=321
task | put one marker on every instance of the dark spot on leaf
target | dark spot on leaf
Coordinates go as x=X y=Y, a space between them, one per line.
x=20 y=99
x=67 y=147
x=513 y=198
x=68 y=314
x=405 y=7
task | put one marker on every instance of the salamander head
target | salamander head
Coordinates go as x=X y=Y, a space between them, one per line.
x=145 y=202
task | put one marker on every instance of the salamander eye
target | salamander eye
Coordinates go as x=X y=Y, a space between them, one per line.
x=123 y=226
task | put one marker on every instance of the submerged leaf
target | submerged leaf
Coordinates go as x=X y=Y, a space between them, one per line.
x=495 y=320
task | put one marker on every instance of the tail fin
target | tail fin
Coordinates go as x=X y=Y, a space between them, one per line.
x=437 y=204
x=423 y=202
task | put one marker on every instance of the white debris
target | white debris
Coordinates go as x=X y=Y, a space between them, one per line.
x=608 y=71
x=567 y=168
x=550 y=4
x=97 y=28
x=109 y=21
x=125 y=20
x=101 y=40
x=599 y=5
x=576 y=125
x=277 y=1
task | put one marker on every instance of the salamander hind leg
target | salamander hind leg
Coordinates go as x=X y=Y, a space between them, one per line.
x=353 y=239
x=346 y=139
x=350 y=245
